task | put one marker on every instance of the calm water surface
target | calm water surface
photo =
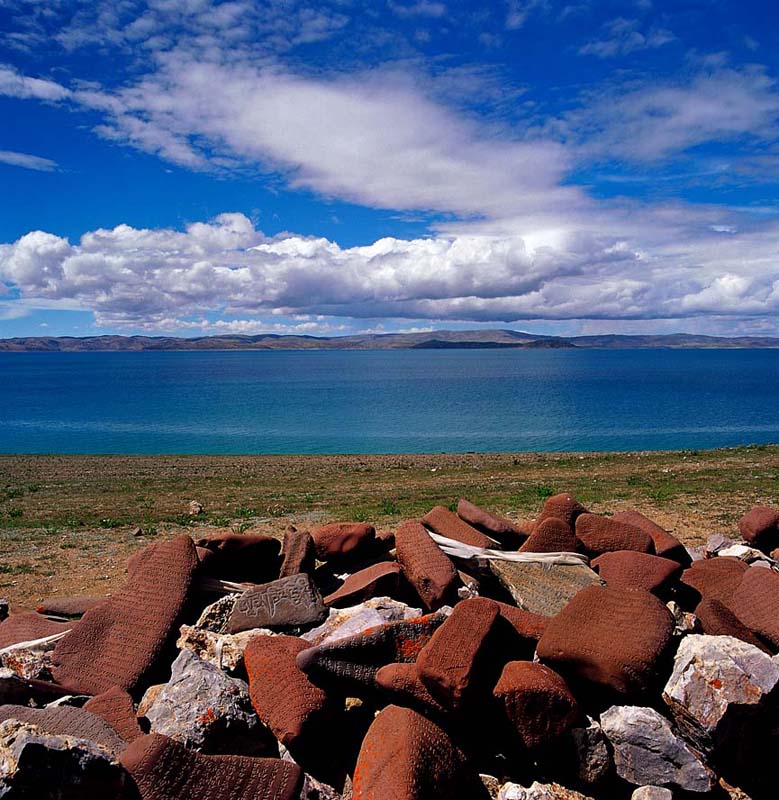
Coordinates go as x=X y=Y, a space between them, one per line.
x=387 y=402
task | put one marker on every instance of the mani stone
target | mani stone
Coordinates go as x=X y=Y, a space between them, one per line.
x=601 y=535
x=119 y=642
x=28 y=626
x=401 y=683
x=299 y=553
x=285 y=603
x=716 y=619
x=666 y=545
x=715 y=578
x=116 y=707
x=553 y=535
x=632 y=570
x=70 y=607
x=343 y=539
x=38 y=765
x=163 y=769
x=716 y=681
x=426 y=567
x=206 y=710
x=756 y=603
x=242 y=556
x=378 y=580
x=760 y=528
x=647 y=751
x=563 y=506
x=404 y=755
x=537 y=702
x=608 y=638
x=500 y=528
x=544 y=589
x=443 y=522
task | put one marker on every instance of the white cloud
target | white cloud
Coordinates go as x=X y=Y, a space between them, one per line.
x=14 y=84
x=27 y=161
x=624 y=36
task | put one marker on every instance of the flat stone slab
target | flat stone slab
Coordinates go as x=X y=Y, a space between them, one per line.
x=285 y=603
x=543 y=588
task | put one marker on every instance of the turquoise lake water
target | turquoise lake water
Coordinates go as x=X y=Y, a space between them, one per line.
x=387 y=402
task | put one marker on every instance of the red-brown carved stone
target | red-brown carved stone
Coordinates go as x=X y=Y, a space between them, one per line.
x=426 y=567
x=760 y=528
x=666 y=544
x=378 y=580
x=563 y=506
x=632 y=570
x=492 y=525
x=717 y=619
x=553 y=535
x=116 y=707
x=756 y=603
x=71 y=607
x=401 y=683
x=715 y=578
x=27 y=626
x=341 y=539
x=603 y=535
x=440 y=520
x=299 y=553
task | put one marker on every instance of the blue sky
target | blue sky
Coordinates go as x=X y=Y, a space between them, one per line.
x=198 y=167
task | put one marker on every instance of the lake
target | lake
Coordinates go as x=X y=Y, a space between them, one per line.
x=407 y=401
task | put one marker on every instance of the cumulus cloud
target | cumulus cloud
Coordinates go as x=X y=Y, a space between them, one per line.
x=27 y=161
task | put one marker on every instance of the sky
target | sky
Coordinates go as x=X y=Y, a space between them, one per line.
x=194 y=167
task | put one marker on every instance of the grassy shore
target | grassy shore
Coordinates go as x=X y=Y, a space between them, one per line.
x=66 y=522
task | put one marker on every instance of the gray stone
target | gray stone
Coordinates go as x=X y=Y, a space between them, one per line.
x=223 y=650
x=34 y=764
x=538 y=791
x=313 y=789
x=647 y=751
x=216 y=616
x=716 y=682
x=652 y=793
x=543 y=588
x=195 y=508
x=286 y=603
x=591 y=752
x=206 y=710
x=684 y=621
x=344 y=622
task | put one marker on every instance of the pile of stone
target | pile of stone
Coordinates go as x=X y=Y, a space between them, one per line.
x=463 y=656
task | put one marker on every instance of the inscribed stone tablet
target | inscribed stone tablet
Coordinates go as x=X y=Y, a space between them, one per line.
x=284 y=603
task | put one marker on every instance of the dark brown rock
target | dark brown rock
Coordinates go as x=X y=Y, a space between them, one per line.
x=343 y=539
x=71 y=607
x=716 y=619
x=298 y=712
x=603 y=535
x=499 y=528
x=631 y=570
x=715 y=578
x=611 y=638
x=401 y=683
x=442 y=521
x=242 y=557
x=378 y=580
x=760 y=528
x=67 y=721
x=553 y=535
x=116 y=707
x=405 y=756
x=285 y=603
x=756 y=603
x=666 y=544
x=426 y=567
x=350 y=664
x=452 y=663
x=528 y=625
x=119 y=642
x=537 y=702
x=299 y=553
x=163 y=769
x=27 y=626
x=563 y=506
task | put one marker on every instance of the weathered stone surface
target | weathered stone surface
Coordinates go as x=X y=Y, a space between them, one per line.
x=537 y=702
x=426 y=567
x=116 y=707
x=715 y=578
x=299 y=553
x=206 y=710
x=223 y=650
x=285 y=603
x=652 y=793
x=343 y=539
x=615 y=639
x=28 y=626
x=538 y=791
x=119 y=642
x=215 y=617
x=563 y=506
x=543 y=588
x=553 y=535
x=343 y=622
x=601 y=535
x=163 y=769
x=39 y=765
x=401 y=683
x=378 y=580
x=452 y=663
x=71 y=607
x=632 y=570
x=492 y=525
x=526 y=624
x=666 y=544
x=760 y=528
x=715 y=680
x=647 y=751
x=591 y=756
x=442 y=521
x=404 y=755
x=313 y=789
x=756 y=603
x=242 y=556
x=350 y=665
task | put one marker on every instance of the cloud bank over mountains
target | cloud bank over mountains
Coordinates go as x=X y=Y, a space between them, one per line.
x=516 y=235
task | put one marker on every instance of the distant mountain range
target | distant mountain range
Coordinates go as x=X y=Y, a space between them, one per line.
x=433 y=340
